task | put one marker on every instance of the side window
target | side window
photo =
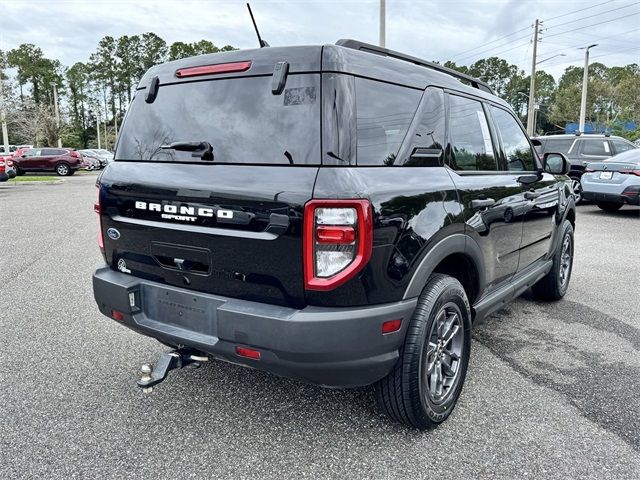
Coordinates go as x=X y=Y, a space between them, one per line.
x=560 y=145
x=621 y=146
x=596 y=147
x=32 y=153
x=429 y=132
x=48 y=152
x=515 y=145
x=384 y=113
x=470 y=146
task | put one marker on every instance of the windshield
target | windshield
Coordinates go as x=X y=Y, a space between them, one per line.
x=240 y=117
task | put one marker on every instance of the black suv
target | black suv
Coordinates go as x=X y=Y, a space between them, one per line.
x=580 y=150
x=337 y=214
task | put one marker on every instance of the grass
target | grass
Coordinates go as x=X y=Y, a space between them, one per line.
x=34 y=178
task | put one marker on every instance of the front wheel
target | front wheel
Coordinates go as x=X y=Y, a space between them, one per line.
x=424 y=385
x=609 y=206
x=553 y=286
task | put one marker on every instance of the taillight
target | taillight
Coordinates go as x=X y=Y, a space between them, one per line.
x=97 y=207
x=630 y=172
x=338 y=237
x=74 y=154
x=212 y=69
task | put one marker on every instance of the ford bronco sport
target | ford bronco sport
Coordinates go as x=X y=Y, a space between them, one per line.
x=337 y=214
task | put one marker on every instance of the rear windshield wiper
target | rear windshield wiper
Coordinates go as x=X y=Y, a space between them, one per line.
x=203 y=150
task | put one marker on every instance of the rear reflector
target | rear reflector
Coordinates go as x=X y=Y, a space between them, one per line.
x=391 y=326
x=213 y=69
x=116 y=315
x=335 y=234
x=248 y=353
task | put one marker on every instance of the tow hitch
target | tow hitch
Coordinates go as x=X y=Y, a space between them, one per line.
x=168 y=361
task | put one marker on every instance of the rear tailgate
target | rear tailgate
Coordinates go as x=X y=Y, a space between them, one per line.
x=232 y=230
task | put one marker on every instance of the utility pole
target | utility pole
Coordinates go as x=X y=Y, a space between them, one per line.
x=98 y=128
x=383 y=15
x=585 y=81
x=3 y=117
x=532 y=86
x=55 y=106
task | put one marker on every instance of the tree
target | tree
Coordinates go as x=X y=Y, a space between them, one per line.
x=496 y=72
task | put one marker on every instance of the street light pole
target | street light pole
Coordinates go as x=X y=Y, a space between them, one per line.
x=55 y=107
x=3 y=117
x=585 y=81
x=98 y=128
x=382 y=23
x=532 y=85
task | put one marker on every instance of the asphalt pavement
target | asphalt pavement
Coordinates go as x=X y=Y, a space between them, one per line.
x=553 y=390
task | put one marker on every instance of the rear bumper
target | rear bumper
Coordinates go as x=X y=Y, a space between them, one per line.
x=337 y=347
x=632 y=199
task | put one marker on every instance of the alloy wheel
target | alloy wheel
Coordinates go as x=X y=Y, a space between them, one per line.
x=444 y=353
x=576 y=188
x=566 y=258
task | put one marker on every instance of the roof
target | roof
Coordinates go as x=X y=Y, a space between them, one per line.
x=573 y=136
x=407 y=71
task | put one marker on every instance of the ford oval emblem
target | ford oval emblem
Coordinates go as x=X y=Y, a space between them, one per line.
x=113 y=234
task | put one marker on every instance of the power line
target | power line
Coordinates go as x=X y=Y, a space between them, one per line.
x=594 y=15
x=492 y=48
x=592 y=25
x=578 y=11
x=489 y=43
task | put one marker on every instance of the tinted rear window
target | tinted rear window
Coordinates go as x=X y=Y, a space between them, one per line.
x=384 y=114
x=240 y=117
x=558 y=145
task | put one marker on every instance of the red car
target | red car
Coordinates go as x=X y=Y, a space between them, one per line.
x=63 y=161
x=3 y=173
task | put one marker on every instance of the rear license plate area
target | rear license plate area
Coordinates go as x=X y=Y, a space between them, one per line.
x=606 y=175
x=186 y=310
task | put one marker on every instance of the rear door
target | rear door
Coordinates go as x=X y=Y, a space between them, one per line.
x=492 y=197
x=232 y=225
x=47 y=159
x=539 y=200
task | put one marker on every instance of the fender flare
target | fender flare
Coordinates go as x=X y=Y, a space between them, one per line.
x=457 y=243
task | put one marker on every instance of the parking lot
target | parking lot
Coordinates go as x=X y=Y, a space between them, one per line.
x=553 y=390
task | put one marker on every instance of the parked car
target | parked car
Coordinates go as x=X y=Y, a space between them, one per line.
x=63 y=161
x=615 y=182
x=3 y=174
x=90 y=160
x=305 y=211
x=9 y=168
x=582 y=149
x=105 y=156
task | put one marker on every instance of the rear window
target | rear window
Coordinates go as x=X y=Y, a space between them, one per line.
x=385 y=112
x=240 y=117
x=558 y=145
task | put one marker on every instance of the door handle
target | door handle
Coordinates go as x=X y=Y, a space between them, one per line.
x=482 y=202
x=531 y=195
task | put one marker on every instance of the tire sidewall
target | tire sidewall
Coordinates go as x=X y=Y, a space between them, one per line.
x=68 y=169
x=453 y=292
x=567 y=230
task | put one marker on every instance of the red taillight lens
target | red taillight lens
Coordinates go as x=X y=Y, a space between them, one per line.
x=338 y=237
x=630 y=172
x=248 y=353
x=116 y=315
x=97 y=207
x=213 y=69
x=74 y=154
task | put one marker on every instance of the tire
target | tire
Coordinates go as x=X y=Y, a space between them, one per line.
x=553 y=286
x=63 y=169
x=19 y=172
x=409 y=394
x=576 y=188
x=609 y=206
x=71 y=172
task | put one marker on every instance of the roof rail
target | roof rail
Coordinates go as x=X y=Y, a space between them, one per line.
x=367 y=47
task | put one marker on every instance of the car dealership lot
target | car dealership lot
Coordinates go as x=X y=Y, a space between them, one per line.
x=552 y=389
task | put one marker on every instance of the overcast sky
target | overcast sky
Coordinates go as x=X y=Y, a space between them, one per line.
x=462 y=31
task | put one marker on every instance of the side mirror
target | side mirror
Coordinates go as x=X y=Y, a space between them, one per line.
x=556 y=163
x=23 y=156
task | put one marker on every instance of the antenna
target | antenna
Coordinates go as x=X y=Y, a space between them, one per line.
x=263 y=43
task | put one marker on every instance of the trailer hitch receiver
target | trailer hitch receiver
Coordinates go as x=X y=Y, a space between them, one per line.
x=152 y=375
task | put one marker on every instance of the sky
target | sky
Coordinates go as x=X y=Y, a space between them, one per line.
x=462 y=31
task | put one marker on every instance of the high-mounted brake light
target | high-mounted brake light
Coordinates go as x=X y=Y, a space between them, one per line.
x=213 y=69
x=338 y=237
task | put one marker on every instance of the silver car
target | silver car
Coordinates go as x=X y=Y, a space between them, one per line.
x=614 y=182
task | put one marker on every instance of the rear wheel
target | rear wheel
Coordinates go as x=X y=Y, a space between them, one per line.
x=423 y=387
x=19 y=172
x=609 y=206
x=554 y=284
x=62 y=169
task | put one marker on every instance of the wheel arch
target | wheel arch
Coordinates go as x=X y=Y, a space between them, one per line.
x=458 y=256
